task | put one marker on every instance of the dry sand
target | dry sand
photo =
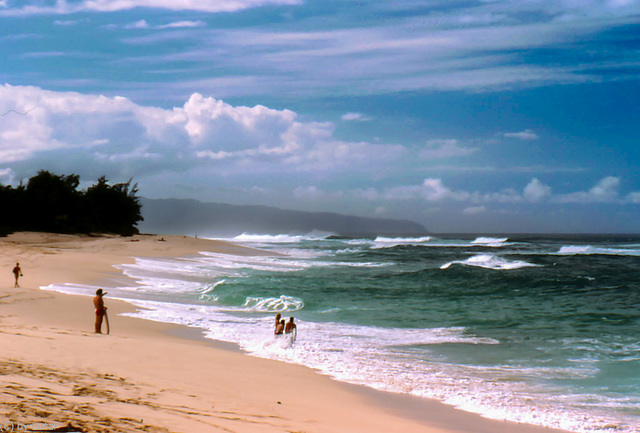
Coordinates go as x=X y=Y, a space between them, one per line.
x=154 y=377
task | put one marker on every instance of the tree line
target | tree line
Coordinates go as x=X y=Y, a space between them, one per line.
x=53 y=203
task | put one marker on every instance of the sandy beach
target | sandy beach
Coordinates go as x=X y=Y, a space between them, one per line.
x=154 y=377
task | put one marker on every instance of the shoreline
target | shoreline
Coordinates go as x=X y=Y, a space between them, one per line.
x=277 y=396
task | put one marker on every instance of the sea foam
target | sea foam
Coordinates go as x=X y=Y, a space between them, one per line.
x=490 y=261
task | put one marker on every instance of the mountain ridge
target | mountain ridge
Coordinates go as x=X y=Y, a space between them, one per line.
x=189 y=216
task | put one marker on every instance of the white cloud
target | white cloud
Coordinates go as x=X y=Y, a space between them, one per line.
x=445 y=148
x=141 y=24
x=527 y=135
x=369 y=194
x=474 y=46
x=403 y=192
x=7 y=176
x=634 y=197
x=536 y=191
x=307 y=192
x=212 y=6
x=506 y=195
x=118 y=136
x=313 y=193
x=65 y=22
x=434 y=190
x=411 y=56
x=182 y=24
x=348 y=117
x=606 y=190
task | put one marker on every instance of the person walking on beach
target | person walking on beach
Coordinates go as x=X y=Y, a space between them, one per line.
x=17 y=272
x=101 y=310
x=291 y=328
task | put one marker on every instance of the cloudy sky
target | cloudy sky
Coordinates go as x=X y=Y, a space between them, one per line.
x=466 y=116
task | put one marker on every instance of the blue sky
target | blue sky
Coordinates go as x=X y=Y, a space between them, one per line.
x=466 y=116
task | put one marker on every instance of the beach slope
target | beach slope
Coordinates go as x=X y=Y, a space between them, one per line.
x=155 y=377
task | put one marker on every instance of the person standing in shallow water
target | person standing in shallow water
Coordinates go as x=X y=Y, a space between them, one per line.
x=101 y=310
x=291 y=328
x=278 y=316
x=17 y=272
x=280 y=328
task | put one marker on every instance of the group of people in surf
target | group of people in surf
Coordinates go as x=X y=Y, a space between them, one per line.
x=283 y=328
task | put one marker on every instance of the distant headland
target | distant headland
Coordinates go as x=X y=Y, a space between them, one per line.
x=181 y=216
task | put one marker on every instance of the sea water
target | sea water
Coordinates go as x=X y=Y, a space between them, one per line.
x=541 y=330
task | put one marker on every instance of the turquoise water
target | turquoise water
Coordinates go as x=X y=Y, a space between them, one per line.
x=542 y=330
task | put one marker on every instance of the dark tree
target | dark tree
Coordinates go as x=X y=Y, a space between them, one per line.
x=12 y=202
x=53 y=203
x=113 y=209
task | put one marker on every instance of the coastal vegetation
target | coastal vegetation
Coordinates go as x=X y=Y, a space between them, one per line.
x=53 y=203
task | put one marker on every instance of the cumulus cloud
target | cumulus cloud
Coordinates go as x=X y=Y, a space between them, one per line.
x=434 y=189
x=115 y=135
x=527 y=135
x=431 y=189
x=606 y=190
x=536 y=191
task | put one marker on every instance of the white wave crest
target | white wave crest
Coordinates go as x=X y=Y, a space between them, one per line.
x=403 y=240
x=491 y=242
x=383 y=242
x=589 y=250
x=266 y=305
x=490 y=261
x=280 y=239
x=207 y=291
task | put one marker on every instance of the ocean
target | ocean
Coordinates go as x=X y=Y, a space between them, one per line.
x=535 y=329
